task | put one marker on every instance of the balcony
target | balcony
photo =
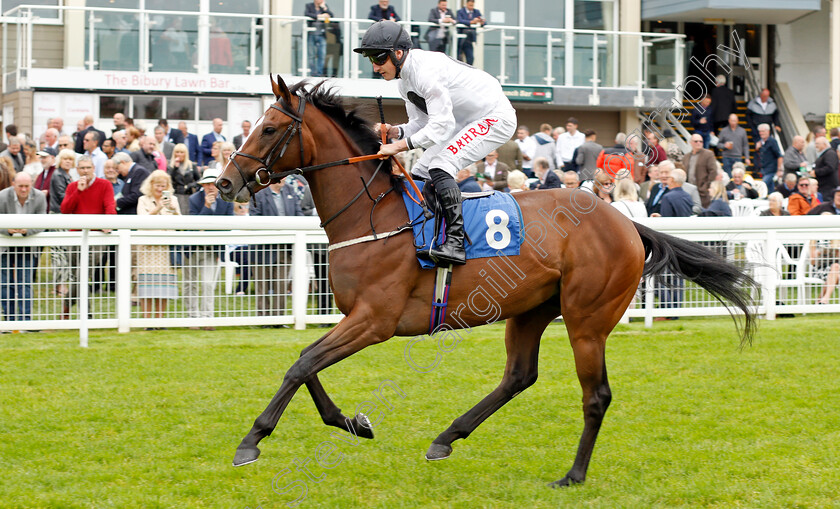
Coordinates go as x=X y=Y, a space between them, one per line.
x=86 y=48
x=772 y=12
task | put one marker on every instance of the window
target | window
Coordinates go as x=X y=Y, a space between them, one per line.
x=51 y=14
x=110 y=104
x=180 y=108
x=147 y=107
x=208 y=109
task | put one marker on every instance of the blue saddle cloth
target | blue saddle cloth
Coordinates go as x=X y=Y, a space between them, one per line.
x=493 y=223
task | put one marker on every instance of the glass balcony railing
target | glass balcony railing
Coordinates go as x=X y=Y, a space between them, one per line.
x=242 y=44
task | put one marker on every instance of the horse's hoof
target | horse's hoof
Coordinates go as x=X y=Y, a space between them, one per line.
x=245 y=455
x=362 y=426
x=564 y=482
x=438 y=452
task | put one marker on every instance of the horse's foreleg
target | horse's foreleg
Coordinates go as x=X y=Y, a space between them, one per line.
x=522 y=342
x=352 y=334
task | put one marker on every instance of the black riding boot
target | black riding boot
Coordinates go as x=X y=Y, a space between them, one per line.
x=449 y=197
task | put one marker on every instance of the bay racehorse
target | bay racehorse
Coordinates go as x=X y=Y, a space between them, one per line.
x=582 y=259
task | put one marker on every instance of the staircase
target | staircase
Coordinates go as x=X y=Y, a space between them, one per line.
x=740 y=110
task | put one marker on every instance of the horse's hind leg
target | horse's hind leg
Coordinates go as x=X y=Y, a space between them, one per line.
x=522 y=342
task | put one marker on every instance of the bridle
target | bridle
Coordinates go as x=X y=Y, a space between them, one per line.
x=282 y=144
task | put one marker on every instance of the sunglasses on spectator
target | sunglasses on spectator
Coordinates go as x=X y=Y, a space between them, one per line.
x=804 y=185
x=378 y=58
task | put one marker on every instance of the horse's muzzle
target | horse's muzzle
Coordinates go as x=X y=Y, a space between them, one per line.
x=229 y=192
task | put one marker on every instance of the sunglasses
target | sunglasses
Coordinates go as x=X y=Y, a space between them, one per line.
x=804 y=185
x=378 y=58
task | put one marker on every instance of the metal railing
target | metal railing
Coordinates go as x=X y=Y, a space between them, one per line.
x=789 y=257
x=516 y=55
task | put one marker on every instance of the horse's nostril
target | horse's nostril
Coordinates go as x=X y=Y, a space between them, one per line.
x=223 y=184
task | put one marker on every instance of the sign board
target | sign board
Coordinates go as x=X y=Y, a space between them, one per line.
x=528 y=94
x=8 y=114
x=70 y=107
x=832 y=120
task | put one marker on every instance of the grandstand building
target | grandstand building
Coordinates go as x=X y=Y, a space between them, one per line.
x=609 y=63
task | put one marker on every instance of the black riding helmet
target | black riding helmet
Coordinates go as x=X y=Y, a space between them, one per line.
x=385 y=37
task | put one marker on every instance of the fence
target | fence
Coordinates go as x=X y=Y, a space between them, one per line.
x=273 y=271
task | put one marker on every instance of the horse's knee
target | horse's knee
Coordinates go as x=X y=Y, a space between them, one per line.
x=298 y=373
x=518 y=381
x=596 y=406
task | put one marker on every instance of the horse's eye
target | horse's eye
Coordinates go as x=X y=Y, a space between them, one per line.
x=269 y=130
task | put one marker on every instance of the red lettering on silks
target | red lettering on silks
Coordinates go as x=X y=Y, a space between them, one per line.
x=466 y=137
x=472 y=131
x=452 y=149
x=460 y=144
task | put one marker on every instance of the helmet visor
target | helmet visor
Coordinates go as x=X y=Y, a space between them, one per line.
x=378 y=57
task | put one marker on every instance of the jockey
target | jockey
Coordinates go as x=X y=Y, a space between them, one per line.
x=457 y=113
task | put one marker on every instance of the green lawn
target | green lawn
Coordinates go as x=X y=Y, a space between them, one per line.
x=151 y=419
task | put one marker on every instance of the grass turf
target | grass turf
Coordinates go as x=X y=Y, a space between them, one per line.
x=151 y=419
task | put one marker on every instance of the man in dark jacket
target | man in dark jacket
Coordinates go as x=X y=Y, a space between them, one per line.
x=703 y=119
x=762 y=110
x=548 y=179
x=829 y=206
x=466 y=182
x=825 y=169
x=724 y=100
x=144 y=156
x=271 y=262
x=133 y=175
x=87 y=121
x=382 y=11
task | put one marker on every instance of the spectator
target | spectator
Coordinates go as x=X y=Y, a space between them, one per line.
x=90 y=143
x=272 y=262
x=211 y=137
x=644 y=187
x=733 y=141
x=11 y=132
x=173 y=136
x=566 y=145
x=120 y=141
x=492 y=173
x=133 y=135
x=703 y=119
x=769 y=156
x=617 y=161
x=802 y=201
x=517 y=181
x=382 y=11
x=739 y=188
x=87 y=127
x=466 y=180
x=109 y=148
x=510 y=154
x=217 y=162
x=88 y=195
x=548 y=179
x=829 y=206
x=246 y=130
x=786 y=187
x=811 y=147
x=113 y=176
x=527 y=145
x=775 y=202
x=586 y=160
x=824 y=258
x=156 y=279
x=201 y=263
x=191 y=141
x=133 y=175
x=655 y=153
x=18 y=263
x=571 y=180
x=438 y=36
x=545 y=145
x=42 y=182
x=676 y=203
x=32 y=162
x=61 y=179
x=163 y=146
x=184 y=175
x=825 y=169
x=627 y=199
x=145 y=155
x=762 y=110
x=659 y=189
x=724 y=100
x=675 y=153
x=14 y=152
x=719 y=205
x=7 y=173
x=119 y=122
x=57 y=123
x=835 y=138
x=239 y=253
x=221 y=54
x=319 y=14
x=50 y=139
x=814 y=189
x=794 y=160
x=470 y=16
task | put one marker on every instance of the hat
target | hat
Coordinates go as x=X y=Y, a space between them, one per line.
x=209 y=176
x=47 y=151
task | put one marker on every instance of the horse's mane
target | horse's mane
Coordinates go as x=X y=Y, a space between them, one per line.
x=349 y=119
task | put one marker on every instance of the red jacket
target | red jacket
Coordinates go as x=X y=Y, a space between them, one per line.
x=98 y=198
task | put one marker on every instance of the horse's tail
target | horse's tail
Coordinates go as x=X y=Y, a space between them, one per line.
x=726 y=282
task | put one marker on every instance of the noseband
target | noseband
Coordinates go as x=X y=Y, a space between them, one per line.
x=271 y=158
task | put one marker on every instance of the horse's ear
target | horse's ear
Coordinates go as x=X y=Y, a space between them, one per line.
x=281 y=91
